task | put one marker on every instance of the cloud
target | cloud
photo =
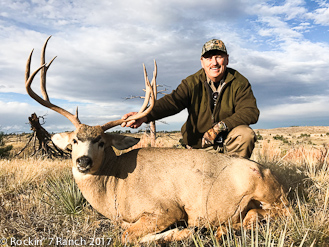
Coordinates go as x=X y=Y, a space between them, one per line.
x=301 y=106
x=100 y=49
x=13 y=116
x=289 y=10
x=299 y=111
x=320 y=15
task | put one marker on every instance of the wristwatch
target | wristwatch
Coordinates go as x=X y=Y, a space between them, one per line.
x=220 y=127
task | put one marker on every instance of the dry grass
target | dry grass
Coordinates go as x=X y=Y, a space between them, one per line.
x=303 y=170
x=24 y=213
x=29 y=209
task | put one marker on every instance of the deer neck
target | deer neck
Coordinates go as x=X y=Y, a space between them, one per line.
x=101 y=188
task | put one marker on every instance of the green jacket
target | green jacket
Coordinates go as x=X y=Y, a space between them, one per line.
x=236 y=105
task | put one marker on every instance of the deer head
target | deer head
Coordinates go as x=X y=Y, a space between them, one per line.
x=88 y=142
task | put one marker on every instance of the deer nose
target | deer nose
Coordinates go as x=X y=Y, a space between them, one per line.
x=84 y=162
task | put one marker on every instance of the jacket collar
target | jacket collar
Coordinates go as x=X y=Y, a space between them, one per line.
x=229 y=75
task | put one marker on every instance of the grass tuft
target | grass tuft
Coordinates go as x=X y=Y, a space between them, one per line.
x=63 y=195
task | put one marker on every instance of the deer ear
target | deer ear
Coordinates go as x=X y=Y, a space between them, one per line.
x=121 y=142
x=62 y=140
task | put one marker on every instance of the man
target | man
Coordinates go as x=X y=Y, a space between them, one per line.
x=220 y=105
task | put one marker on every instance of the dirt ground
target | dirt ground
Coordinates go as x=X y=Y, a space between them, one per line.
x=315 y=136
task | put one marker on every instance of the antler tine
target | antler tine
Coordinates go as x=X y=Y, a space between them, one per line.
x=45 y=102
x=149 y=98
x=27 y=69
x=153 y=82
x=44 y=71
x=147 y=91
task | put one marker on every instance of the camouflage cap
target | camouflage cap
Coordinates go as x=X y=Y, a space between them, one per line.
x=214 y=44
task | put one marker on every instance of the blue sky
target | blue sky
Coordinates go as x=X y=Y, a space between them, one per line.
x=282 y=47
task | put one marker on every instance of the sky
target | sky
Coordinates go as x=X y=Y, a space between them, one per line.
x=282 y=47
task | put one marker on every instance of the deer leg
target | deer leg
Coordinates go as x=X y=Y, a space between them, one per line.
x=223 y=229
x=178 y=235
x=168 y=236
x=148 y=223
x=256 y=215
x=144 y=225
x=250 y=219
x=253 y=216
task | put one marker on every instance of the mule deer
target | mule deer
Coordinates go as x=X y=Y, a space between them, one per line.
x=154 y=188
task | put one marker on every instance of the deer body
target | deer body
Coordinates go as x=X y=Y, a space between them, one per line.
x=151 y=194
x=154 y=188
x=207 y=187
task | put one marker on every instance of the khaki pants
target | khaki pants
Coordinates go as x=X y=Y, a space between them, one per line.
x=240 y=141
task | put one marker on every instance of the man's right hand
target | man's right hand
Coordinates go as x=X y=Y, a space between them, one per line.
x=210 y=136
x=134 y=123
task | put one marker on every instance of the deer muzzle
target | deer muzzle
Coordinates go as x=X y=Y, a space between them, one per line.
x=84 y=163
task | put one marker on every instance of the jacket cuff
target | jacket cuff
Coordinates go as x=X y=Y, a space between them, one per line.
x=228 y=125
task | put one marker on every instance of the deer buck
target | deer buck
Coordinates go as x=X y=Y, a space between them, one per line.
x=150 y=189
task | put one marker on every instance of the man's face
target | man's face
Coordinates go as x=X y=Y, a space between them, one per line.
x=214 y=64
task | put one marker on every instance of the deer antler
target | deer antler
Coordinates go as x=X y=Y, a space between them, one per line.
x=150 y=93
x=45 y=101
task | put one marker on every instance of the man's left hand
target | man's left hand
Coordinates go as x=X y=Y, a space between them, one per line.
x=210 y=136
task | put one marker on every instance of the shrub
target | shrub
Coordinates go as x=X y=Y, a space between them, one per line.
x=304 y=135
x=259 y=136
x=281 y=138
x=4 y=150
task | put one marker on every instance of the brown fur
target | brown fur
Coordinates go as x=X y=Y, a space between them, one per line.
x=154 y=188
x=85 y=132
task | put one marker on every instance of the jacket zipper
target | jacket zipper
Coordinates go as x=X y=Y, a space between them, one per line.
x=218 y=100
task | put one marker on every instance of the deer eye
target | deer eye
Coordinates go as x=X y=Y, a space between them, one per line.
x=75 y=141
x=101 y=144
